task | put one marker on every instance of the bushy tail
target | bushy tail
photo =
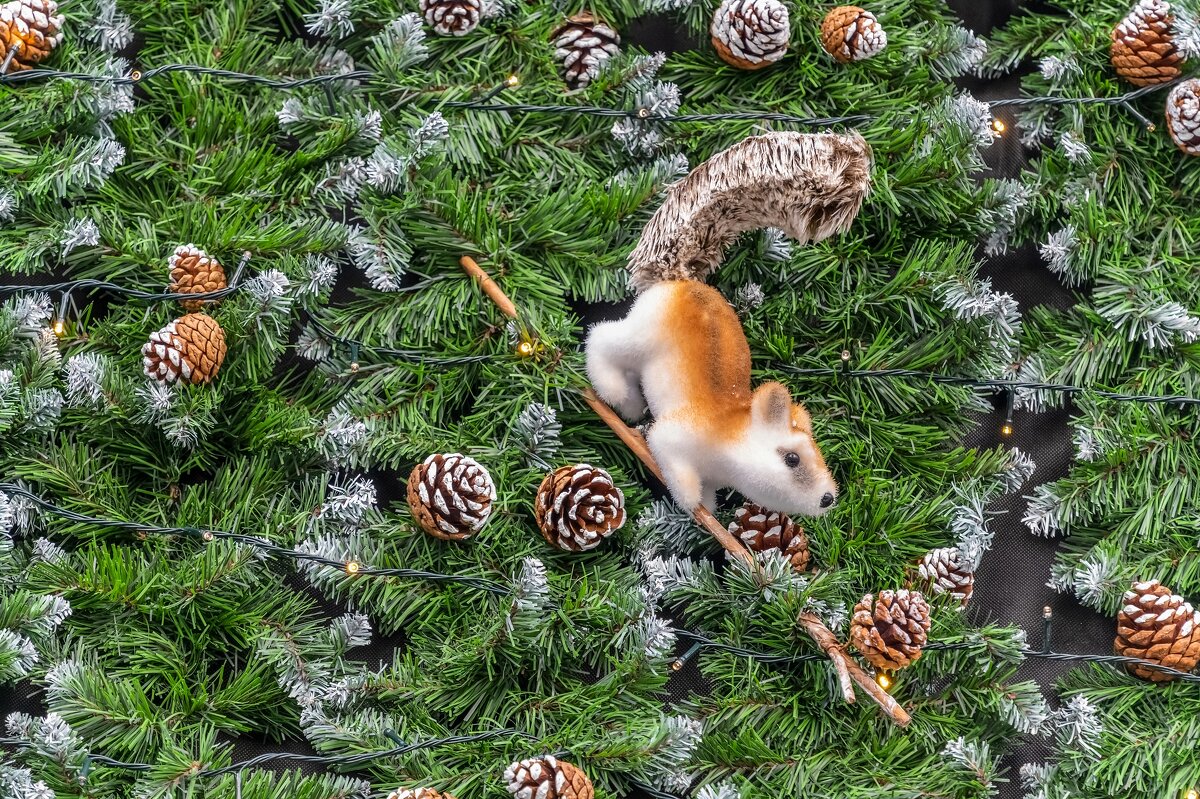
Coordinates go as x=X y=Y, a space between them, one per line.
x=810 y=185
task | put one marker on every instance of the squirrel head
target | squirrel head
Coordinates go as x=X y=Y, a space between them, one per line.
x=788 y=472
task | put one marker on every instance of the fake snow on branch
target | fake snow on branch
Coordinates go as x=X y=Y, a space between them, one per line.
x=810 y=187
x=79 y=233
x=85 y=375
x=332 y=19
x=537 y=429
x=1157 y=322
x=109 y=27
x=1077 y=726
x=350 y=503
x=1058 y=251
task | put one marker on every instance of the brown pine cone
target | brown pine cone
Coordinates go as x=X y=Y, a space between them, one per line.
x=1143 y=45
x=944 y=571
x=582 y=46
x=451 y=496
x=193 y=271
x=1183 y=116
x=578 y=506
x=190 y=349
x=891 y=631
x=452 y=17
x=547 y=778
x=418 y=793
x=850 y=33
x=761 y=530
x=1158 y=626
x=750 y=34
x=34 y=26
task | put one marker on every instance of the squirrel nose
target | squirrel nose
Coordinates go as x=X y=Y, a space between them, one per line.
x=827 y=500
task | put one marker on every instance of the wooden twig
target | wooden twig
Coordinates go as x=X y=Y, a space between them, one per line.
x=634 y=440
x=489 y=286
x=847 y=670
x=842 y=661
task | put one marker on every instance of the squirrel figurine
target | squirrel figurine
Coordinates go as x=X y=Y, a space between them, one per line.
x=681 y=350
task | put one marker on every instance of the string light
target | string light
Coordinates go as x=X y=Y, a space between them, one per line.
x=513 y=81
x=884 y=680
x=1192 y=793
x=59 y=327
x=366 y=77
x=525 y=348
x=207 y=536
x=352 y=567
x=998 y=126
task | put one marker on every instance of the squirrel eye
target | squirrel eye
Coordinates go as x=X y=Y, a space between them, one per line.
x=792 y=460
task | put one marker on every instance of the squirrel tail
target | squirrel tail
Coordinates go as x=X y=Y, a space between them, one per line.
x=810 y=185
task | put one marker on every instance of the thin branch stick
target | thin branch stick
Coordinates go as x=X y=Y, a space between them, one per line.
x=837 y=653
x=634 y=440
x=489 y=286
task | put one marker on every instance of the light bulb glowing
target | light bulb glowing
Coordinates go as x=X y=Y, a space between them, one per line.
x=525 y=349
x=59 y=327
x=1006 y=429
x=512 y=81
x=1192 y=793
x=998 y=125
x=352 y=567
x=885 y=682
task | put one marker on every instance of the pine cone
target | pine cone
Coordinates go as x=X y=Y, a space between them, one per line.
x=761 y=530
x=452 y=17
x=1183 y=116
x=850 y=33
x=193 y=271
x=34 y=26
x=750 y=34
x=1143 y=45
x=578 y=506
x=190 y=349
x=581 y=46
x=946 y=573
x=451 y=496
x=1158 y=626
x=418 y=793
x=890 y=632
x=547 y=778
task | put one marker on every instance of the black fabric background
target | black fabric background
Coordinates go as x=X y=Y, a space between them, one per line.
x=1011 y=584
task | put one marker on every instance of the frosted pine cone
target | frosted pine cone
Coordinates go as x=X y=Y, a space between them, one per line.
x=1183 y=116
x=850 y=33
x=582 y=46
x=762 y=530
x=1143 y=49
x=193 y=271
x=578 y=506
x=451 y=496
x=891 y=631
x=750 y=34
x=418 y=793
x=34 y=27
x=452 y=17
x=946 y=573
x=1158 y=626
x=547 y=778
x=190 y=349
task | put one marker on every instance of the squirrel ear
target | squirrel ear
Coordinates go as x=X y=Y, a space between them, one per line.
x=771 y=406
x=800 y=418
